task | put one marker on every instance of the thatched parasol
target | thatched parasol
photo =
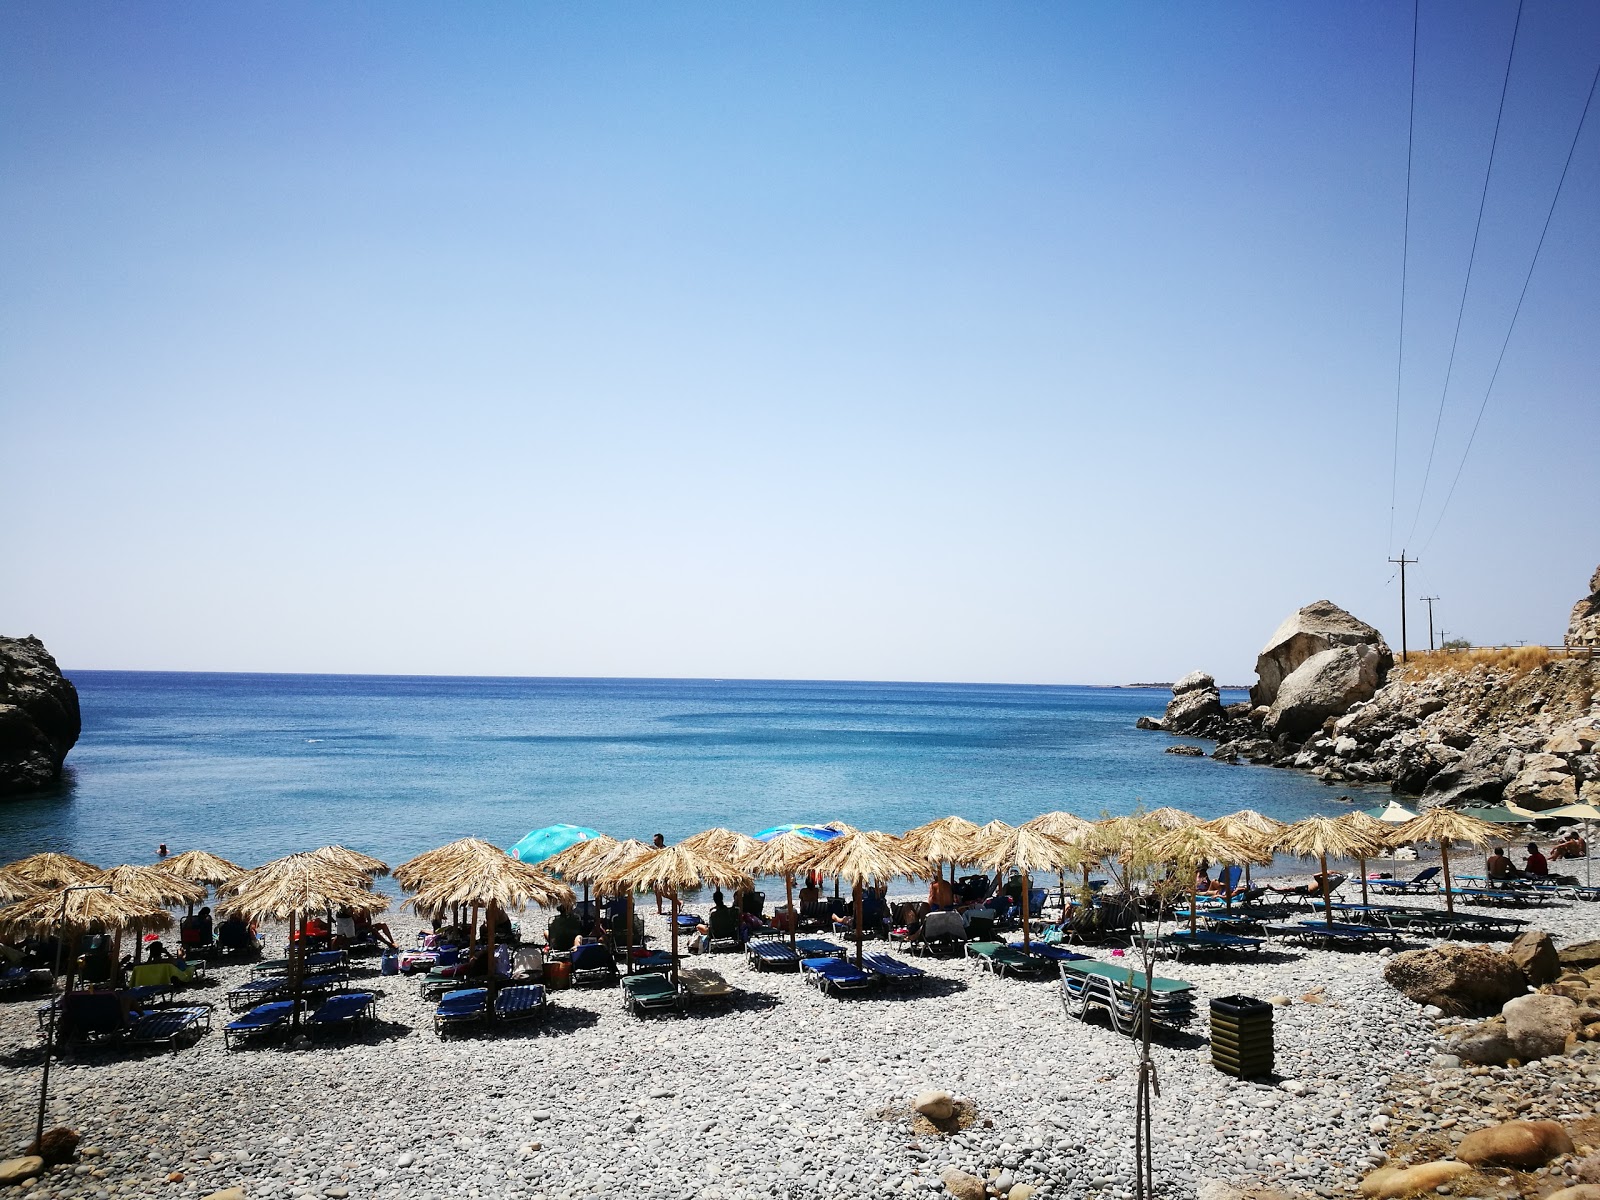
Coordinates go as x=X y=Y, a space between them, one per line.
x=71 y=911
x=1172 y=818
x=1127 y=839
x=785 y=855
x=950 y=840
x=1030 y=850
x=1249 y=825
x=288 y=888
x=49 y=871
x=343 y=856
x=201 y=866
x=859 y=857
x=1377 y=835
x=151 y=885
x=1322 y=838
x=1446 y=826
x=1075 y=831
x=1189 y=845
x=670 y=869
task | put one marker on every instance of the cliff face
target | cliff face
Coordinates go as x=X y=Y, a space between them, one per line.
x=39 y=719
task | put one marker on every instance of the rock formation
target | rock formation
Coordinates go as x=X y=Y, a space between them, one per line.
x=39 y=719
x=1196 y=706
x=1325 y=685
x=1584 y=627
x=1317 y=627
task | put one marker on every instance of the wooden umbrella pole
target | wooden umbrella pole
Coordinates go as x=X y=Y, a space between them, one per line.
x=1025 y=912
x=629 y=950
x=489 y=971
x=472 y=932
x=1194 y=898
x=674 y=937
x=1327 y=897
x=297 y=955
x=794 y=917
x=1449 y=897
x=1362 y=863
x=857 y=897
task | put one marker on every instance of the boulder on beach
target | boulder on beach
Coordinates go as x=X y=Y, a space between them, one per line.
x=1389 y=1183
x=1459 y=980
x=1525 y=1144
x=1324 y=685
x=39 y=720
x=935 y=1105
x=962 y=1185
x=1535 y=952
x=1319 y=626
x=1541 y=1026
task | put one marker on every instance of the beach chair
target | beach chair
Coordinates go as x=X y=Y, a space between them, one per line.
x=260 y=1020
x=835 y=977
x=945 y=928
x=20 y=979
x=771 y=953
x=723 y=930
x=328 y=962
x=658 y=961
x=702 y=984
x=91 y=1015
x=643 y=994
x=347 y=1010
x=459 y=1009
x=980 y=925
x=893 y=970
x=1050 y=951
x=528 y=963
x=592 y=963
x=1212 y=941
x=819 y=948
x=255 y=991
x=524 y=1002
x=1001 y=959
x=1120 y=993
x=1418 y=884
x=165 y=1026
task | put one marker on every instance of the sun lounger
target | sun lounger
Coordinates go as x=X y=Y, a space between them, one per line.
x=702 y=983
x=256 y=991
x=891 y=969
x=944 y=928
x=643 y=994
x=90 y=1015
x=1211 y=941
x=1421 y=882
x=523 y=1002
x=1001 y=959
x=592 y=963
x=764 y=954
x=165 y=1026
x=656 y=960
x=17 y=979
x=1440 y=923
x=328 y=962
x=460 y=1008
x=261 y=1019
x=819 y=948
x=835 y=977
x=1050 y=951
x=1312 y=931
x=344 y=1011
x=1120 y=993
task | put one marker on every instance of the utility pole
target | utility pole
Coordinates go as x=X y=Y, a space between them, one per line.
x=1430 y=600
x=1403 y=561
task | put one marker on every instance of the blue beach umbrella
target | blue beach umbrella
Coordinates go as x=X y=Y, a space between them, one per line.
x=540 y=844
x=817 y=833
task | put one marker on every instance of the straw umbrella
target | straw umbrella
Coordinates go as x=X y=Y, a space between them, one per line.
x=343 y=856
x=565 y=862
x=864 y=856
x=1172 y=818
x=1377 y=835
x=784 y=855
x=726 y=844
x=596 y=865
x=950 y=840
x=49 y=871
x=286 y=889
x=201 y=866
x=71 y=910
x=989 y=832
x=672 y=868
x=152 y=886
x=1073 y=830
x=1188 y=845
x=1446 y=826
x=1029 y=850
x=1320 y=838
x=477 y=873
x=1247 y=822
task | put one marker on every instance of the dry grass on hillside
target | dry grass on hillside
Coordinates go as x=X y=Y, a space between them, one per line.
x=1517 y=659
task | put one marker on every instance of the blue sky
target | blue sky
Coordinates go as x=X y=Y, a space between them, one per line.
x=1009 y=342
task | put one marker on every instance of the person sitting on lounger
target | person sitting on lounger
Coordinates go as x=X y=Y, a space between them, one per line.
x=723 y=923
x=564 y=930
x=235 y=936
x=1571 y=845
x=1535 y=863
x=182 y=972
x=1498 y=865
x=941 y=894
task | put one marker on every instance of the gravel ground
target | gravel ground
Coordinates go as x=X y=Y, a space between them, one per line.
x=787 y=1093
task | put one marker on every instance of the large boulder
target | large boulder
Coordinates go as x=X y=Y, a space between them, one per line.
x=1541 y=1026
x=1324 y=685
x=1390 y=1183
x=1318 y=626
x=1584 y=627
x=1196 y=705
x=1461 y=980
x=1526 y=1144
x=1535 y=952
x=39 y=719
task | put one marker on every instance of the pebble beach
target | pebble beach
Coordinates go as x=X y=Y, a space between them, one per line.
x=785 y=1092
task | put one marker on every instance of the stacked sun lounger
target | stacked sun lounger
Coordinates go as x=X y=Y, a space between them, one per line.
x=1120 y=993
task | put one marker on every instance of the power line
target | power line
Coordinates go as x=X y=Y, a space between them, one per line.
x=1527 y=279
x=1405 y=258
x=1483 y=198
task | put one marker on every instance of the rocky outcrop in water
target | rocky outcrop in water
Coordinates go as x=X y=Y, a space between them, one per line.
x=39 y=719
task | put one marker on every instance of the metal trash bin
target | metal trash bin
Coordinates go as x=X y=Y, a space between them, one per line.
x=1241 y=1036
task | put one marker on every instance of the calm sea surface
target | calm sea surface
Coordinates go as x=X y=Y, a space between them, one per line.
x=254 y=766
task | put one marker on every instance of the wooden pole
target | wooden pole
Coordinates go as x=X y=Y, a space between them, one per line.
x=489 y=974
x=1327 y=897
x=857 y=898
x=1449 y=898
x=674 y=937
x=794 y=915
x=1025 y=942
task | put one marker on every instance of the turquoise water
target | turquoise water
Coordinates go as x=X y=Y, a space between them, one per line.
x=254 y=766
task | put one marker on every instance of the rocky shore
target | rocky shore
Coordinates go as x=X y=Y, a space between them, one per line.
x=39 y=719
x=789 y=1093
x=1517 y=728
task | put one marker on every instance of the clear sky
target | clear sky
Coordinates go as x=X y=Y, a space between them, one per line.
x=1035 y=342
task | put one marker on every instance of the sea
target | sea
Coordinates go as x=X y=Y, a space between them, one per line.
x=253 y=766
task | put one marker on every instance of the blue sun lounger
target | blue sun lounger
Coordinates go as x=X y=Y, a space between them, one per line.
x=460 y=1008
x=819 y=948
x=835 y=977
x=892 y=969
x=164 y=1026
x=1052 y=951
x=1422 y=881
x=1212 y=941
x=770 y=954
x=346 y=1010
x=259 y=1020
x=520 y=1003
x=256 y=991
